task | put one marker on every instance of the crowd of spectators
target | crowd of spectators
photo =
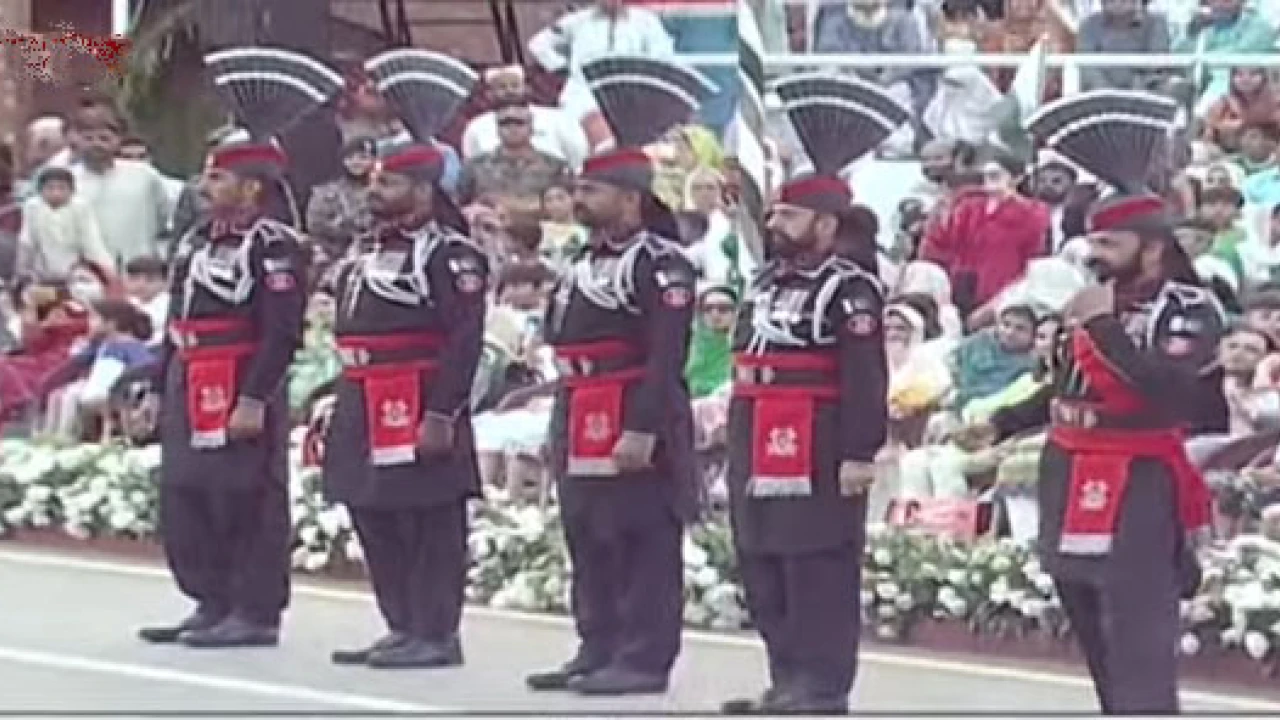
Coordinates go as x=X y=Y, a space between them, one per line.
x=981 y=254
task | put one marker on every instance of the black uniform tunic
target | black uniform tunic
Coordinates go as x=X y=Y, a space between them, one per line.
x=411 y=515
x=225 y=510
x=625 y=531
x=1123 y=603
x=801 y=554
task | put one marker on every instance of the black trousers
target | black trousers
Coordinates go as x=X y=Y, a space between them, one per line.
x=1128 y=631
x=417 y=561
x=628 y=594
x=228 y=549
x=807 y=609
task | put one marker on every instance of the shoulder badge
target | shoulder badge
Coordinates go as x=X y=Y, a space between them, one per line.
x=677 y=297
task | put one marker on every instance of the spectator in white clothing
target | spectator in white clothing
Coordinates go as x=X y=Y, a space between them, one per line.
x=129 y=198
x=135 y=148
x=59 y=230
x=554 y=132
x=608 y=26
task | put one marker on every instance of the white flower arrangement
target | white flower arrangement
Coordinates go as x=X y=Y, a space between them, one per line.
x=519 y=560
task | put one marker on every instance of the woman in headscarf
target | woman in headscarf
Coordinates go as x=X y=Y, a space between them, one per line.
x=926 y=278
x=710 y=353
x=919 y=378
x=704 y=197
x=684 y=150
x=1251 y=99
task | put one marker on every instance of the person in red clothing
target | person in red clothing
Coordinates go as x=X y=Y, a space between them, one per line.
x=987 y=236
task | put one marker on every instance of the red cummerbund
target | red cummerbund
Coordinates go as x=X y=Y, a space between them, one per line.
x=211 y=348
x=1100 y=472
x=785 y=389
x=391 y=370
x=596 y=375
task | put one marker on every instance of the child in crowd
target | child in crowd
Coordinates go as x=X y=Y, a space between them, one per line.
x=146 y=281
x=119 y=333
x=1258 y=145
x=562 y=236
x=59 y=230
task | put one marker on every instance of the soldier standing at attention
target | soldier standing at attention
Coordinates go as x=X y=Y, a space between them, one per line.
x=622 y=431
x=809 y=408
x=400 y=452
x=238 y=295
x=1120 y=503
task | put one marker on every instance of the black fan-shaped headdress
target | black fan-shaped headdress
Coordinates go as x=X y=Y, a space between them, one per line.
x=268 y=90
x=838 y=119
x=424 y=88
x=1114 y=135
x=1117 y=136
x=642 y=99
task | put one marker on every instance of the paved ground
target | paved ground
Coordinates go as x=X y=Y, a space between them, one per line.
x=67 y=645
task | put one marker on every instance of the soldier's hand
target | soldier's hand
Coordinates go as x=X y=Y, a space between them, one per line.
x=248 y=419
x=435 y=436
x=856 y=477
x=634 y=451
x=1091 y=302
x=975 y=436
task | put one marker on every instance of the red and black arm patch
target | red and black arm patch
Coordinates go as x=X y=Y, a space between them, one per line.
x=675 y=283
x=860 y=311
x=468 y=273
x=282 y=267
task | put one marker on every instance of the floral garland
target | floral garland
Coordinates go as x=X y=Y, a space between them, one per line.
x=519 y=560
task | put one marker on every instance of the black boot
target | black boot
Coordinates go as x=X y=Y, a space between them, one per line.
x=617 y=680
x=560 y=678
x=361 y=656
x=811 y=703
x=418 y=653
x=230 y=633
x=163 y=634
x=766 y=704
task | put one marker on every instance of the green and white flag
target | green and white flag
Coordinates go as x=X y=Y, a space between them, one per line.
x=1024 y=97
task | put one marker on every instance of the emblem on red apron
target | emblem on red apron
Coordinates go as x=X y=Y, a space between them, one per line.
x=393 y=392
x=211 y=349
x=393 y=401
x=211 y=383
x=782 y=420
x=596 y=403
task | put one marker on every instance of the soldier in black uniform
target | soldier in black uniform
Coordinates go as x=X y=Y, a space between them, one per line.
x=400 y=452
x=1118 y=496
x=622 y=431
x=238 y=293
x=809 y=407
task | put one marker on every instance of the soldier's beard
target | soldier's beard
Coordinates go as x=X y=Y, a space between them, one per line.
x=788 y=248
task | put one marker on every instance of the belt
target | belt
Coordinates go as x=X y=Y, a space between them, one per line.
x=599 y=359
x=189 y=335
x=361 y=351
x=1091 y=416
x=811 y=374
